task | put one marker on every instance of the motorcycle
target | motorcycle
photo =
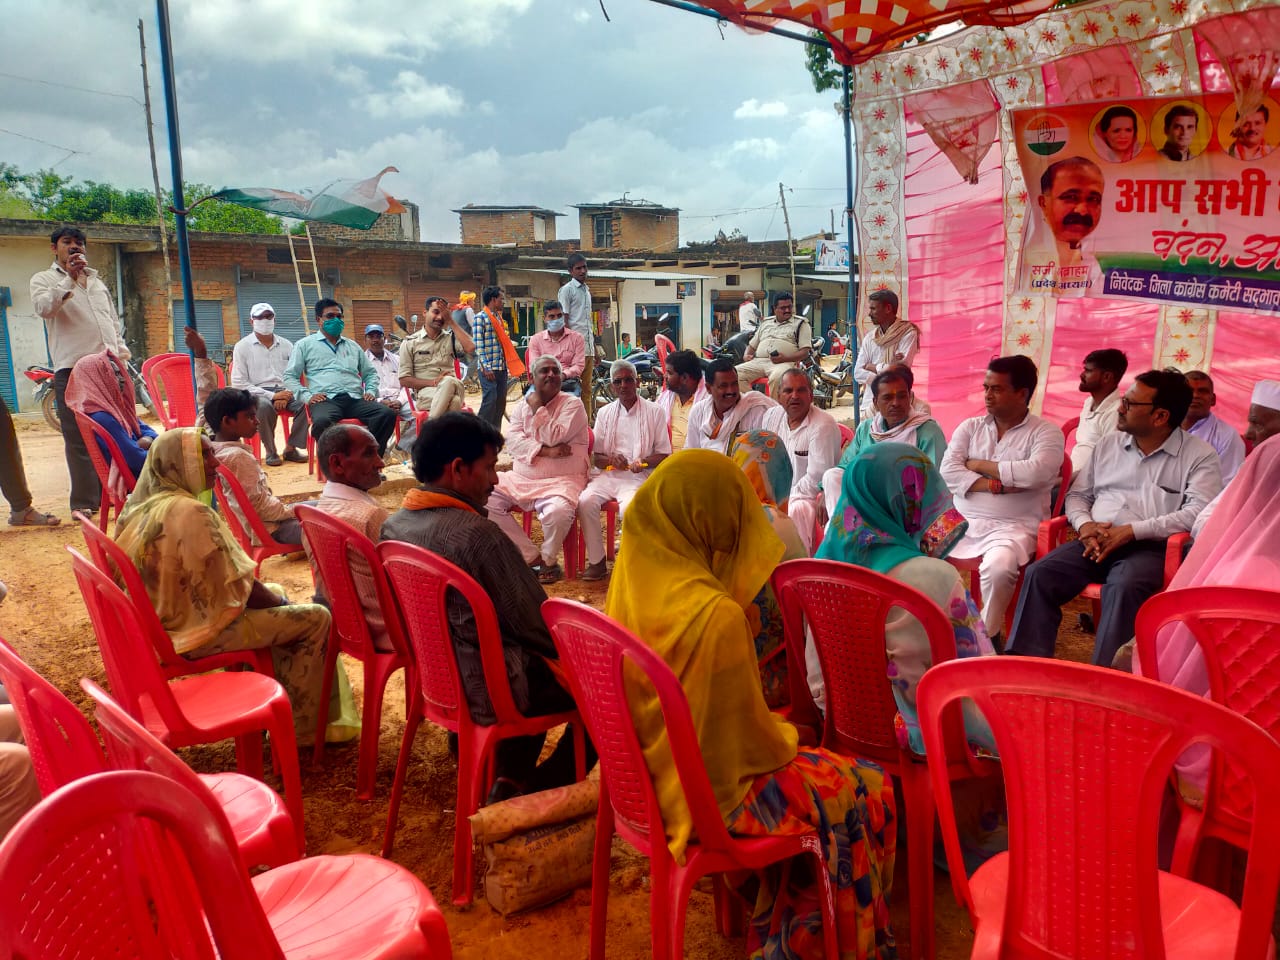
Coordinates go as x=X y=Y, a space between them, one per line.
x=41 y=378
x=830 y=385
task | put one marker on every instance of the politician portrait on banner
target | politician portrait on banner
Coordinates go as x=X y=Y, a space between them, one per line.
x=1175 y=199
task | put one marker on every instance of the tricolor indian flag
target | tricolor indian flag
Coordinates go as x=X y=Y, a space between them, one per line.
x=351 y=203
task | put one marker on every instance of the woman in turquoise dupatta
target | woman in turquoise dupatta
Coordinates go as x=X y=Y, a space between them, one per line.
x=763 y=457
x=892 y=517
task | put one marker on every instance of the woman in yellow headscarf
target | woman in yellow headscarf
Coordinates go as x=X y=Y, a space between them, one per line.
x=202 y=583
x=702 y=551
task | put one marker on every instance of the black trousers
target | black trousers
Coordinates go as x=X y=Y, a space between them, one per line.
x=380 y=420
x=86 y=491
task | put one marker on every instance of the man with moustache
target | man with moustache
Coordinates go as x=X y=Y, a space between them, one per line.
x=258 y=362
x=79 y=319
x=685 y=386
x=812 y=438
x=1070 y=202
x=1249 y=137
x=1100 y=378
x=726 y=411
x=1202 y=422
x=427 y=360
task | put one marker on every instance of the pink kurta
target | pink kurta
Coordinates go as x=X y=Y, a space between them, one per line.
x=532 y=476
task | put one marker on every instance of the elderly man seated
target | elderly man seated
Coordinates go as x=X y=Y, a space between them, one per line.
x=812 y=438
x=900 y=417
x=631 y=439
x=427 y=360
x=1143 y=483
x=1202 y=422
x=547 y=440
x=780 y=342
x=1000 y=469
x=560 y=342
x=726 y=411
x=1264 y=423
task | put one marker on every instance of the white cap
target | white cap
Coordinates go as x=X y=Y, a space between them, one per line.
x=1266 y=393
x=259 y=309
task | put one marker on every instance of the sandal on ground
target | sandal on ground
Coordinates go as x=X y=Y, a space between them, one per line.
x=551 y=574
x=31 y=517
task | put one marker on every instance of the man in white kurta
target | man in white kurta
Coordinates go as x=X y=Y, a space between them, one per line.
x=887 y=344
x=547 y=439
x=725 y=412
x=812 y=438
x=631 y=439
x=1100 y=379
x=1000 y=469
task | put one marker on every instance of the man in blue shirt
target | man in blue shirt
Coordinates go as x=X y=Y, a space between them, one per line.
x=341 y=383
x=488 y=332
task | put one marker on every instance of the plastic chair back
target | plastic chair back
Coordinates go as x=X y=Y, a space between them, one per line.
x=132 y=669
x=1064 y=485
x=82 y=878
x=1068 y=431
x=420 y=582
x=846 y=435
x=335 y=545
x=168 y=379
x=91 y=432
x=845 y=607
x=663 y=345
x=238 y=512
x=1237 y=631
x=597 y=650
x=62 y=745
x=1087 y=754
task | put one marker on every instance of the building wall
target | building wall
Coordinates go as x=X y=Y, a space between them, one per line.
x=388 y=226
x=505 y=226
x=633 y=229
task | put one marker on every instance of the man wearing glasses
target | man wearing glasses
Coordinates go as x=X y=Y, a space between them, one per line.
x=631 y=439
x=1144 y=483
x=341 y=383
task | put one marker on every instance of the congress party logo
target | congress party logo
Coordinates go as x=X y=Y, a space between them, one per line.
x=1045 y=134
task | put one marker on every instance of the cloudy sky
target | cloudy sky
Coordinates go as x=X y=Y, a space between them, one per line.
x=481 y=101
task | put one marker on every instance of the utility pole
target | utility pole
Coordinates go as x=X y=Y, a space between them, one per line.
x=155 y=180
x=791 y=262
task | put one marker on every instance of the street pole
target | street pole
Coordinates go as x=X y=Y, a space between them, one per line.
x=851 y=294
x=175 y=165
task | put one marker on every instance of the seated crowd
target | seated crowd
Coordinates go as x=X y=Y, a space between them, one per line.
x=714 y=485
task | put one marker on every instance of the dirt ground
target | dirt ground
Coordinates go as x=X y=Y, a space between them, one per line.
x=45 y=620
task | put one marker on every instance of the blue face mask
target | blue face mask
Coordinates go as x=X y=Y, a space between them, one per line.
x=333 y=326
x=556 y=324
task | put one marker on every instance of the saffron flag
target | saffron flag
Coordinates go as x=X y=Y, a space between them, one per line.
x=350 y=203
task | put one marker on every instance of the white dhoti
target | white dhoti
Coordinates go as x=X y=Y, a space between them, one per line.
x=803 y=512
x=1005 y=549
x=832 y=481
x=620 y=485
x=555 y=513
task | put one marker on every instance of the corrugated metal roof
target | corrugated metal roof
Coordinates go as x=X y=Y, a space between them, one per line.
x=623 y=274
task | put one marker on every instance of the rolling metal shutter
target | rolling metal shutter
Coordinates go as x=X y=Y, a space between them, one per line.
x=284 y=298
x=371 y=311
x=416 y=293
x=208 y=322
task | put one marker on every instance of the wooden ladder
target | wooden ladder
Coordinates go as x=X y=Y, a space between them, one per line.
x=300 y=264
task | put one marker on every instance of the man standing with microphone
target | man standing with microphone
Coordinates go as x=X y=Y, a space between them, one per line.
x=79 y=319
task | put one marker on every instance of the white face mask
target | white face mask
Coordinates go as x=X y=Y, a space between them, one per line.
x=264 y=325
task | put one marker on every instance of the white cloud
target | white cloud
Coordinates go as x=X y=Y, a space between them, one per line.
x=765 y=147
x=411 y=96
x=754 y=109
x=581 y=16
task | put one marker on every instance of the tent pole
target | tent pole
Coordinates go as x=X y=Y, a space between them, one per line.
x=851 y=295
x=175 y=165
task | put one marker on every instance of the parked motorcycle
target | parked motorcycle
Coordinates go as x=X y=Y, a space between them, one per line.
x=41 y=378
x=830 y=385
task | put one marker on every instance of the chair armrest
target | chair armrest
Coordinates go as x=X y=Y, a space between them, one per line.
x=1051 y=535
x=1174 y=549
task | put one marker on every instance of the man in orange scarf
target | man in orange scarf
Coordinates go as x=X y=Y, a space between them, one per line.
x=496 y=356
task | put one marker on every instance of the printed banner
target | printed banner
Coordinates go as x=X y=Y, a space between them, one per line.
x=1172 y=199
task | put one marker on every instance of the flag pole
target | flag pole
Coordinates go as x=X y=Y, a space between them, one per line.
x=175 y=165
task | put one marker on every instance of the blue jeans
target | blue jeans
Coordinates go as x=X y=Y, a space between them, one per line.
x=493 y=398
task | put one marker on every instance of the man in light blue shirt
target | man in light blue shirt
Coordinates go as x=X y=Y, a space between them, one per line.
x=341 y=383
x=575 y=297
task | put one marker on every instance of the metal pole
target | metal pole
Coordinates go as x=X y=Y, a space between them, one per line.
x=175 y=164
x=155 y=182
x=851 y=294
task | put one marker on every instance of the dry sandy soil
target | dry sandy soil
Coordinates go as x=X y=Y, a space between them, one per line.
x=45 y=620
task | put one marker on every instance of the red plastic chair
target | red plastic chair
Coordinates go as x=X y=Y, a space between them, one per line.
x=234 y=504
x=595 y=649
x=1068 y=432
x=1087 y=753
x=62 y=745
x=1053 y=534
x=846 y=435
x=845 y=607
x=1238 y=632
x=115 y=563
x=663 y=345
x=90 y=432
x=204 y=708
x=420 y=581
x=265 y=833
x=168 y=380
x=335 y=546
x=575 y=546
x=81 y=878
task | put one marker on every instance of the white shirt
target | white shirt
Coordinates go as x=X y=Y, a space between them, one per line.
x=258 y=368
x=748 y=316
x=1159 y=494
x=576 y=300
x=1228 y=444
x=1029 y=458
x=747 y=414
x=1094 y=425
x=871 y=352
x=633 y=434
x=388 y=375
x=83 y=323
x=814 y=447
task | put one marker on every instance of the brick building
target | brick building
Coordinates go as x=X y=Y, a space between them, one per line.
x=627 y=224
x=489 y=225
x=389 y=226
